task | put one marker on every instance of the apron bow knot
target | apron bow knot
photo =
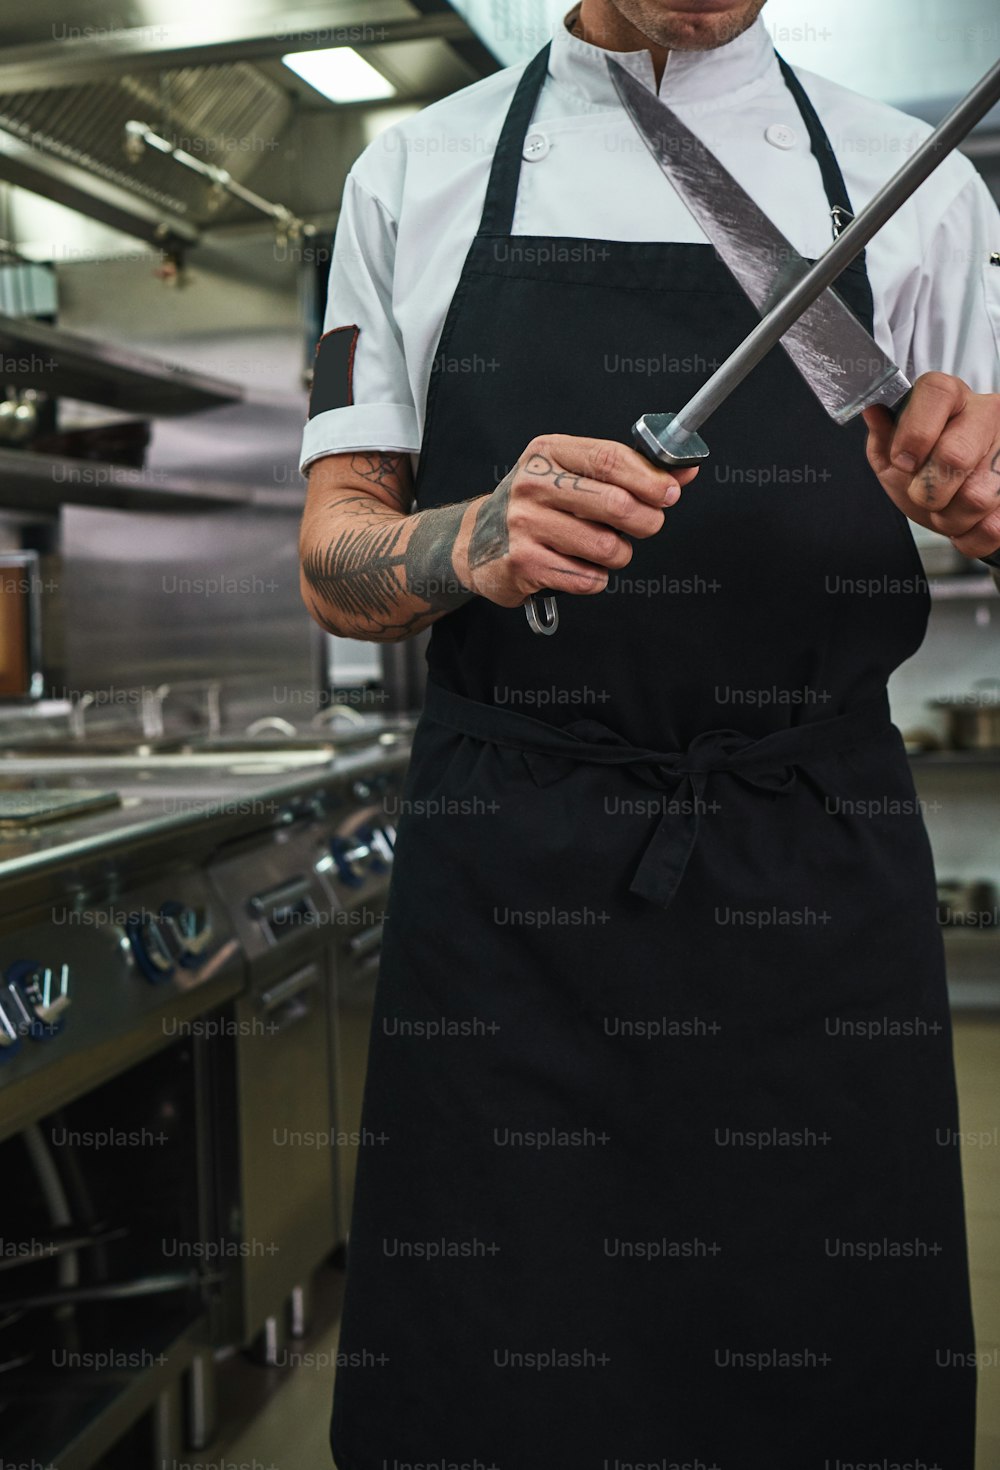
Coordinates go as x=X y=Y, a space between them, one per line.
x=768 y=763
x=712 y=752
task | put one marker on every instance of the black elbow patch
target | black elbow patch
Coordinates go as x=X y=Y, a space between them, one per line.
x=333 y=370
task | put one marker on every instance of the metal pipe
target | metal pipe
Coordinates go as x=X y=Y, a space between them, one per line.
x=845 y=248
x=139 y=133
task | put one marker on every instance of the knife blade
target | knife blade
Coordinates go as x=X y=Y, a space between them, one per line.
x=841 y=362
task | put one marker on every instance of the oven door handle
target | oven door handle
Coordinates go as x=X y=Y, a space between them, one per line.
x=363 y=944
x=287 y=989
x=263 y=905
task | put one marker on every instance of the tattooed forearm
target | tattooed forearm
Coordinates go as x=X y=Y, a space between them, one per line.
x=356 y=572
x=385 y=576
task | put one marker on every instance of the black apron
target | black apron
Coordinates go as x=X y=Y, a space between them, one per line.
x=660 y=1160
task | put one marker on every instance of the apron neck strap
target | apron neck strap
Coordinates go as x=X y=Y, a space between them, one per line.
x=859 y=297
x=833 y=179
x=501 y=191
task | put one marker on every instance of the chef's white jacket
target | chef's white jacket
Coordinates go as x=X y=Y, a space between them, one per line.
x=413 y=199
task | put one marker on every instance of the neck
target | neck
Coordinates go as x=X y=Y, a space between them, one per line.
x=601 y=24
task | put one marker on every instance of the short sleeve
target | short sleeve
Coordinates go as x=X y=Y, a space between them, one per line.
x=364 y=368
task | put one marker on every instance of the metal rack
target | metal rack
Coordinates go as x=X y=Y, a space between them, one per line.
x=44 y=483
x=64 y=365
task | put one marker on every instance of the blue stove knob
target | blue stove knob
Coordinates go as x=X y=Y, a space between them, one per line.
x=10 y=1035
x=189 y=929
x=348 y=853
x=40 y=996
x=156 y=953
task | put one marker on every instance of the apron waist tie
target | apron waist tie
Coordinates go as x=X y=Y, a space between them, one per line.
x=768 y=763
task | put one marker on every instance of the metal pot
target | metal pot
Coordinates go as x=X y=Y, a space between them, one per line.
x=974 y=719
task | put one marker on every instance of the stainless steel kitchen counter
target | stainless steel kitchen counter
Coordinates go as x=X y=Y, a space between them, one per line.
x=191 y=802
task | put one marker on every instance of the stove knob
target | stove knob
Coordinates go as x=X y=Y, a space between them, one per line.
x=44 y=996
x=10 y=1036
x=381 y=849
x=16 y=1008
x=156 y=952
x=189 y=927
x=347 y=854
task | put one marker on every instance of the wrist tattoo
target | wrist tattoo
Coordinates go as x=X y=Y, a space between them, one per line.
x=490 y=539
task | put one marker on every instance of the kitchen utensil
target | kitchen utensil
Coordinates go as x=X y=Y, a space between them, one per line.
x=973 y=720
x=840 y=361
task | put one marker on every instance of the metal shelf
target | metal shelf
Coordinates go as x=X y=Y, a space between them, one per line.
x=67 y=366
x=974 y=937
x=962 y=587
x=40 y=482
x=936 y=760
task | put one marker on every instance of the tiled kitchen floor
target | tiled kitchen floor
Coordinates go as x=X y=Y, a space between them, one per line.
x=290 y=1430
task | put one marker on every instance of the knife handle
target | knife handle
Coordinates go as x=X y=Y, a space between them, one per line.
x=897 y=408
x=650 y=438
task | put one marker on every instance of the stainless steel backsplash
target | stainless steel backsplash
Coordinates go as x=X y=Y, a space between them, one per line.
x=185 y=599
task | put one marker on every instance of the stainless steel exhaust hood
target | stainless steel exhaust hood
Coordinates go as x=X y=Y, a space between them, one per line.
x=210 y=80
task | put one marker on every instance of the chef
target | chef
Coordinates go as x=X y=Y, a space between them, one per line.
x=659 y=1162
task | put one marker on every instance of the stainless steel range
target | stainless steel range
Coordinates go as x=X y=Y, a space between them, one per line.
x=103 y=1158
x=187 y=964
x=306 y=902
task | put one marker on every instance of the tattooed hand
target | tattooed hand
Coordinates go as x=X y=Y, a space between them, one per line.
x=562 y=517
x=940 y=464
x=369 y=569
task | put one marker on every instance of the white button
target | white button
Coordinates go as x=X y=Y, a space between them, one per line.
x=536 y=145
x=781 y=135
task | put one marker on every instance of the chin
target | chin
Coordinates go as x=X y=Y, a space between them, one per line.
x=692 y=27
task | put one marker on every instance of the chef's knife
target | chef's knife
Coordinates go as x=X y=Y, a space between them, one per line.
x=839 y=359
x=670 y=438
x=780 y=283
